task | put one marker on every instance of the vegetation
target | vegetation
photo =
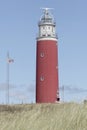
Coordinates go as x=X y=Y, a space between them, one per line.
x=67 y=116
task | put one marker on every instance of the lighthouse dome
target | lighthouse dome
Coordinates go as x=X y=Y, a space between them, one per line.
x=46 y=18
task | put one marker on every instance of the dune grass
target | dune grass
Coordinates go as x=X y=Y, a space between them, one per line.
x=67 y=116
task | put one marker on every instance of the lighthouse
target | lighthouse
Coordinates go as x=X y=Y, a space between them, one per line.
x=47 y=80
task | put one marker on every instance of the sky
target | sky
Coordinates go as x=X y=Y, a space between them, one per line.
x=18 y=32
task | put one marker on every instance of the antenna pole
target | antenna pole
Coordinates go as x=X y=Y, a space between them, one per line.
x=7 y=97
x=63 y=93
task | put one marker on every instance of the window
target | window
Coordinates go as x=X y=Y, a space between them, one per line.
x=42 y=78
x=56 y=67
x=48 y=27
x=43 y=27
x=49 y=35
x=43 y=35
x=42 y=54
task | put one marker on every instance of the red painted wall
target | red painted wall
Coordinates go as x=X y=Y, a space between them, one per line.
x=46 y=71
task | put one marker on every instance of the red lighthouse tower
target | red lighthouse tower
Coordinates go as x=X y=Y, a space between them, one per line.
x=47 y=84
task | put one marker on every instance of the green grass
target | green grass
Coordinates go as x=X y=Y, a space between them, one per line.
x=68 y=116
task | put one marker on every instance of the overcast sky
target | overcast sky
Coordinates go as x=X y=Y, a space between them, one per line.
x=18 y=31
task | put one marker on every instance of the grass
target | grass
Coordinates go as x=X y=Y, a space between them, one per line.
x=68 y=116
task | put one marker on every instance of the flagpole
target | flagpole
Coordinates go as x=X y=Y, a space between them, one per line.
x=7 y=97
x=63 y=93
x=9 y=60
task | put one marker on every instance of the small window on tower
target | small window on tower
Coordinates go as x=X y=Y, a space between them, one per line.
x=48 y=27
x=43 y=27
x=42 y=78
x=42 y=54
x=43 y=35
x=49 y=35
x=56 y=67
